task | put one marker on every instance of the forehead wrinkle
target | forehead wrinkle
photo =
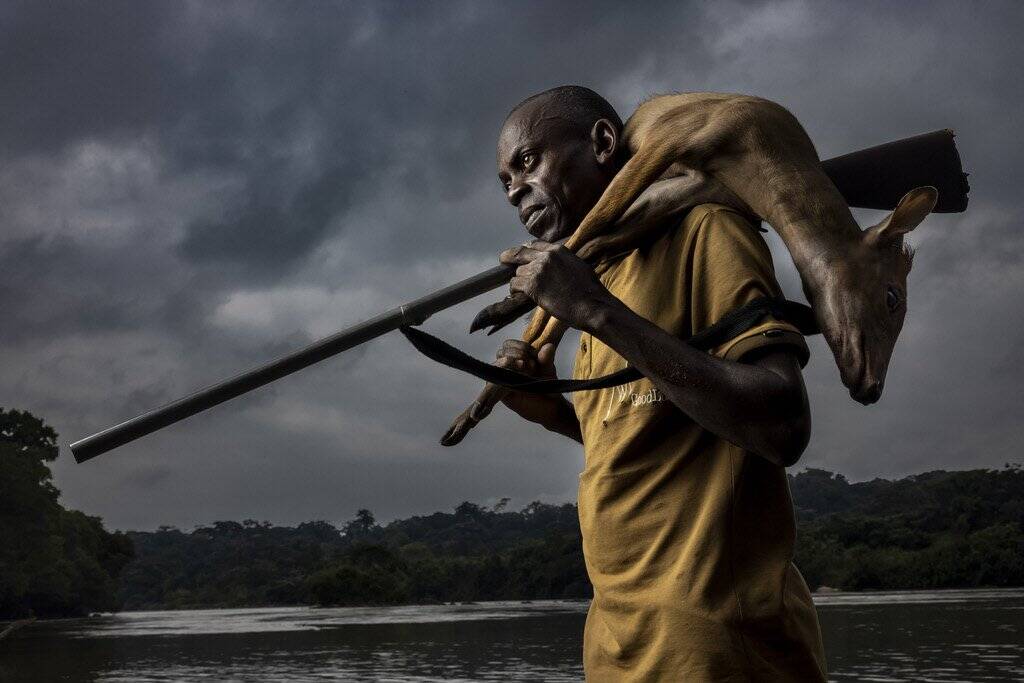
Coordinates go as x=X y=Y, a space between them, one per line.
x=530 y=130
x=545 y=124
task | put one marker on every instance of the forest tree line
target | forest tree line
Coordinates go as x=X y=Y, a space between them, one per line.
x=933 y=530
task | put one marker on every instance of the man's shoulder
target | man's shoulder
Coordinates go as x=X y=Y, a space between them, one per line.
x=716 y=213
x=717 y=227
x=721 y=239
x=709 y=234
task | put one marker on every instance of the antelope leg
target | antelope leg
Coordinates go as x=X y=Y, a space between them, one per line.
x=500 y=314
x=477 y=411
x=552 y=334
x=492 y=393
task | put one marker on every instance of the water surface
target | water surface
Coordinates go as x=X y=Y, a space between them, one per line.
x=972 y=635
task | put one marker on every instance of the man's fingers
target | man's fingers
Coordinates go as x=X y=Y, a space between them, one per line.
x=520 y=284
x=515 y=348
x=527 y=252
x=515 y=354
x=520 y=255
x=546 y=355
x=528 y=269
x=520 y=364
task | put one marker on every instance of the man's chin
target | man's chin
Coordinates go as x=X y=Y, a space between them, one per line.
x=550 y=233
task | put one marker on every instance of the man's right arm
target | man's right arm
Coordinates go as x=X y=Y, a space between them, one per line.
x=551 y=411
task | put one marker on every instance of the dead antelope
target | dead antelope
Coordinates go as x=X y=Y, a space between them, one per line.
x=756 y=157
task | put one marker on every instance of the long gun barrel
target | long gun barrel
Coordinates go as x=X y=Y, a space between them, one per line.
x=412 y=313
x=871 y=178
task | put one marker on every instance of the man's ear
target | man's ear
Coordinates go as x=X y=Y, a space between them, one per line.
x=605 y=139
x=908 y=214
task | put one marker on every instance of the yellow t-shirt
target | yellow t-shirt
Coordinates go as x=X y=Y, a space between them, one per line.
x=688 y=539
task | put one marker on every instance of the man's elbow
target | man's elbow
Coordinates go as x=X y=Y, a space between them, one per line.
x=785 y=440
x=791 y=440
x=787 y=410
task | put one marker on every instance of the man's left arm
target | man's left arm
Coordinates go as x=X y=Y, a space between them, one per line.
x=757 y=402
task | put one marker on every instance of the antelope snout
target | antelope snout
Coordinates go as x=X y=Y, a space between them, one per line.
x=868 y=393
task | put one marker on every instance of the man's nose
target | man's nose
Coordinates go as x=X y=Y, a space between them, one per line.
x=516 y=192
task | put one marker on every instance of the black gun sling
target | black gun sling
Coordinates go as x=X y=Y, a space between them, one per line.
x=732 y=324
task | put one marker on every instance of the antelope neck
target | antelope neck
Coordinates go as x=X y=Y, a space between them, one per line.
x=813 y=242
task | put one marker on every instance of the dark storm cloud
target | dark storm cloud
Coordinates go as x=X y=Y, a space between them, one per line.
x=57 y=286
x=187 y=189
x=72 y=69
x=267 y=237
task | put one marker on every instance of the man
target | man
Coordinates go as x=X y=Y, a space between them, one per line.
x=687 y=521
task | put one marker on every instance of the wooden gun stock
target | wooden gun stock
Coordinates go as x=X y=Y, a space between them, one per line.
x=876 y=178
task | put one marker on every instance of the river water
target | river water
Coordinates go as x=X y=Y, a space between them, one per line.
x=970 y=635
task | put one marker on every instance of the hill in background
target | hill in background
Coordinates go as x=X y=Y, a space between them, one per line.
x=934 y=530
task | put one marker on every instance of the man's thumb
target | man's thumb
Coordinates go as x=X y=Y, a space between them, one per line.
x=546 y=354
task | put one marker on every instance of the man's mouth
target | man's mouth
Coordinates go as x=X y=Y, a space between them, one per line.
x=532 y=216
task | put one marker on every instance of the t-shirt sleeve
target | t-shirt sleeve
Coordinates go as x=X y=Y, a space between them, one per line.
x=730 y=266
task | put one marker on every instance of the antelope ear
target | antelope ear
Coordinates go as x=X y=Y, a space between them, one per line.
x=908 y=214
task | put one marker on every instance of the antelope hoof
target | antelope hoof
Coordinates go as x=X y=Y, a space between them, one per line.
x=468 y=418
x=500 y=314
x=460 y=427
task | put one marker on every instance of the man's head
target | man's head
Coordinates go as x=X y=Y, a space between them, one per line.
x=557 y=152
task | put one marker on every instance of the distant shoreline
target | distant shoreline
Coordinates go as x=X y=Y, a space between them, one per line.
x=821 y=599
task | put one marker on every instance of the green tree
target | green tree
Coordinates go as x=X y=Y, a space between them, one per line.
x=361 y=527
x=53 y=562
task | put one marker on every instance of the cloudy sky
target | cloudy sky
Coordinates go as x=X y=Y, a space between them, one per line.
x=188 y=189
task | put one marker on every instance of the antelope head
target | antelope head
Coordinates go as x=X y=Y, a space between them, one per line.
x=861 y=296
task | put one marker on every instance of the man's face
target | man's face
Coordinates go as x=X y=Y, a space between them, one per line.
x=549 y=172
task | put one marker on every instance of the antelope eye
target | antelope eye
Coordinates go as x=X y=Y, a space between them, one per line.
x=892 y=299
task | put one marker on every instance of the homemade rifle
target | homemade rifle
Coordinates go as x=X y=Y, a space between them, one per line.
x=872 y=178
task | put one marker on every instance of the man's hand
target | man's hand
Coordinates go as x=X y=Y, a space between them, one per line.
x=515 y=354
x=551 y=411
x=558 y=281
